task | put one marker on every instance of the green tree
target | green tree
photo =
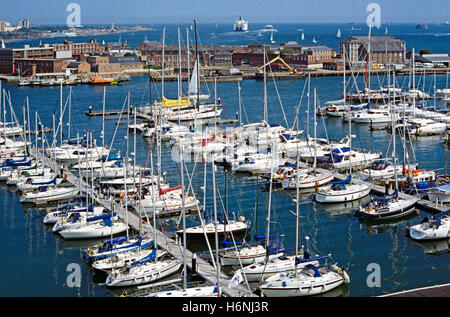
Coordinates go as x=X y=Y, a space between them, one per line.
x=424 y=51
x=288 y=50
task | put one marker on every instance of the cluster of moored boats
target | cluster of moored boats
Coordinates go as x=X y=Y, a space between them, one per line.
x=94 y=190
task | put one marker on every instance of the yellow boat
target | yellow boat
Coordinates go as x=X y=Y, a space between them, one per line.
x=182 y=102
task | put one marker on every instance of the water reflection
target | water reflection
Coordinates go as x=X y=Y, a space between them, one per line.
x=337 y=209
x=433 y=247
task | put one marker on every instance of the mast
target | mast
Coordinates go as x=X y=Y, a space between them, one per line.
x=367 y=81
x=183 y=209
x=126 y=164
x=393 y=135
x=413 y=81
x=297 y=194
x=265 y=87
x=215 y=222
x=70 y=110
x=61 y=112
x=198 y=64
x=188 y=56
x=315 y=133
x=163 y=62
x=307 y=118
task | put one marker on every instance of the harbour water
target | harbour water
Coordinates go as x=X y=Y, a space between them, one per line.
x=35 y=260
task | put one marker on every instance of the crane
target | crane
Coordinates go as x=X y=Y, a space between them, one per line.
x=278 y=58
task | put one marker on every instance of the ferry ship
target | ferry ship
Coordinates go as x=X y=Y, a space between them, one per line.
x=240 y=25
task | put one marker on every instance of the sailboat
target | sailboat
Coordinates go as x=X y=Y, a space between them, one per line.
x=345 y=190
x=271 y=38
x=303 y=36
x=262 y=270
x=193 y=92
x=198 y=291
x=390 y=206
x=338 y=33
x=314 y=40
x=433 y=227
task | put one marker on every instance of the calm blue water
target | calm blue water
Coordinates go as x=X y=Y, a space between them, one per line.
x=35 y=259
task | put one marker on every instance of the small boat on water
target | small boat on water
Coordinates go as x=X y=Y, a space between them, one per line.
x=96 y=80
x=432 y=228
x=143 y=271
x=309 y=280
x=108 y=225
x=46 y=194
x=341 y=191
x=386 y=208
x=116 y=246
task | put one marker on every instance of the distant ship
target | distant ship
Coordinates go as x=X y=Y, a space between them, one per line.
x=268 y=27
x=240 y=25
x=421 y=26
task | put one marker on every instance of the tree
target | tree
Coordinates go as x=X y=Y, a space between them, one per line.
x=130 y=54
x=288 y=50
x=424 y=51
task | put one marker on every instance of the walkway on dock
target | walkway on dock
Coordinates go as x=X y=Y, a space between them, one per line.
x=430 y=291
x=203 y=268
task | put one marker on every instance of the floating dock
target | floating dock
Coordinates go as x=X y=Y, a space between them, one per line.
x=430 y=291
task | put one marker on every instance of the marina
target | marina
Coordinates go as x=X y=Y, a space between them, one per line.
x=236 y=188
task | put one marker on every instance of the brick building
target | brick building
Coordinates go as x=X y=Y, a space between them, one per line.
x=383 y=49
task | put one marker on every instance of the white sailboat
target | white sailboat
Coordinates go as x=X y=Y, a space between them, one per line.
x=346 y=190
x=389 y=206
x=433 y=227
x=338 y=33
x=303 y=36
x=96 y=227
x=271 y=38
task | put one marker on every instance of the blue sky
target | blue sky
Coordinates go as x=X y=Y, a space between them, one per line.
x=223 y=11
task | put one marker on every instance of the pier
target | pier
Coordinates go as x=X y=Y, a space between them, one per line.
x=202 y=268
x=430 y=291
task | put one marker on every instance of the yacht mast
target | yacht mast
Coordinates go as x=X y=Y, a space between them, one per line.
x=163 y=61
x=198 y=65
x=183 y=209
x=265 y=86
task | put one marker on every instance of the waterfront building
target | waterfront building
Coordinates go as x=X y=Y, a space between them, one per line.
x=435 y=59
x=383 y=50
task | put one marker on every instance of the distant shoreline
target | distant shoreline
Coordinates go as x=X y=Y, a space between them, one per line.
x=9 y=41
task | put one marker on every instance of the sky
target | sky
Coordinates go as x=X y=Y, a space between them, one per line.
x=41 y=12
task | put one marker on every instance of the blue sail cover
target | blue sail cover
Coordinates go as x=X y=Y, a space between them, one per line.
x=145 y=259
x=360 y=107
x=53 y=181
x=228 y=244
x=384 y=198
x=258 y=237
x=15 y=164
x=316 y=270
x=107 y=222
x=344 y=181
x=315 y=258
x=105 y=216
x=436 y=216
